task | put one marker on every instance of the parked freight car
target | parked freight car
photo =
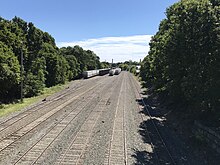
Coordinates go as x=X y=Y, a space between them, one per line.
x=104 y=71
x=117 y=71
x=111 y=72
x=90 y=73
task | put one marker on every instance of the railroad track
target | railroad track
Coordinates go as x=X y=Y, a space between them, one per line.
x=53 y=102
x=8 y=143
x=7 y=135
x=9 y=121
x=157 y=142
x=65 y=133
x=117 y=152
x=74 y=153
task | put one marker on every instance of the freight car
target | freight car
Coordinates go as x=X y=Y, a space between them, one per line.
x=117 y=71
x=111 y=72
x=104 y=71
x=90 y=73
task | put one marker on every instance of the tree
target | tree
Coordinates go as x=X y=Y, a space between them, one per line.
x=56 y=65
x=44 y=63
x=73 y=68
x=183 y=60
x=104 y=65
x=9 y=73
x=35 y=77
x=84 y=59
x=124 y=66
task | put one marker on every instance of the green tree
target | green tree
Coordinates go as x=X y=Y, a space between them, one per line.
x=124 y=66
x=104 y=65
x=44 y=63
x=85 y=59
x=183 y=60
x=73 y=69
x=35 y=77
x=9 y=73
x=56 y=65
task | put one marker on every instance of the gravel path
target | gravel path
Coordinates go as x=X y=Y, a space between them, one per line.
x=97 y=121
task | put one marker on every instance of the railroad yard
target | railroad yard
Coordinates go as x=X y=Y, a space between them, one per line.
x=101 y=120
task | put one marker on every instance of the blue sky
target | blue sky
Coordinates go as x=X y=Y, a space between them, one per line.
x=118 y=29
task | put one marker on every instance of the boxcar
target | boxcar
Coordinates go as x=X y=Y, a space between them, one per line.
x=90 y=73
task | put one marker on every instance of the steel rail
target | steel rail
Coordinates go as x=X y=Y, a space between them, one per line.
x=90 y=133
x=55 y=126
x=124 y=126
x=44 y=119
x=97 y=119
x=117 y=106
x=37 y=107
x=158 y=133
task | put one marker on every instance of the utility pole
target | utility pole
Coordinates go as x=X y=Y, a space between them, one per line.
x=112 y=63
x=22 y=69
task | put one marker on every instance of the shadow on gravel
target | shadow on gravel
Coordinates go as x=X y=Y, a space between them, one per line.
x=146 y=128
x=142 y=157
x=181 y=147
x=147 y=132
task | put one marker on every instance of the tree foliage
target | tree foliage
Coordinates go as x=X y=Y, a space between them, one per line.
x=104 y=65
x=184 y=56
x=80 y=60
x=9 y=71
x=44 y=63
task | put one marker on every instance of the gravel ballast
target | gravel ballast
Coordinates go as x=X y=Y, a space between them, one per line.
x=96 y=121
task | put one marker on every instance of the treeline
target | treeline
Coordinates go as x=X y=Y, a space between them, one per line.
x=128 y=66
x=184 y=58
x=45 y=65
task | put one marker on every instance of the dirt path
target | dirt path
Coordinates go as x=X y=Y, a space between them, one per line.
x=94 y=121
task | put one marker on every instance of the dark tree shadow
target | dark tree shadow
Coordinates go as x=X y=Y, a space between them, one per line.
x=177 y=138
x=150 y=135
x=142 y=157
x=154 y=110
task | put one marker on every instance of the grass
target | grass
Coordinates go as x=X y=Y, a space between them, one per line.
x=6 y=109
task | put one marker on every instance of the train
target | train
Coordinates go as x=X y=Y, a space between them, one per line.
x=111 y=72
x=104 y=71
x=114 y=71
x=101 y=72
x=98 y=72
x=117 y=71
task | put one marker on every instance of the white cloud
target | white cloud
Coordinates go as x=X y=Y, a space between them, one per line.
x=118 y=48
